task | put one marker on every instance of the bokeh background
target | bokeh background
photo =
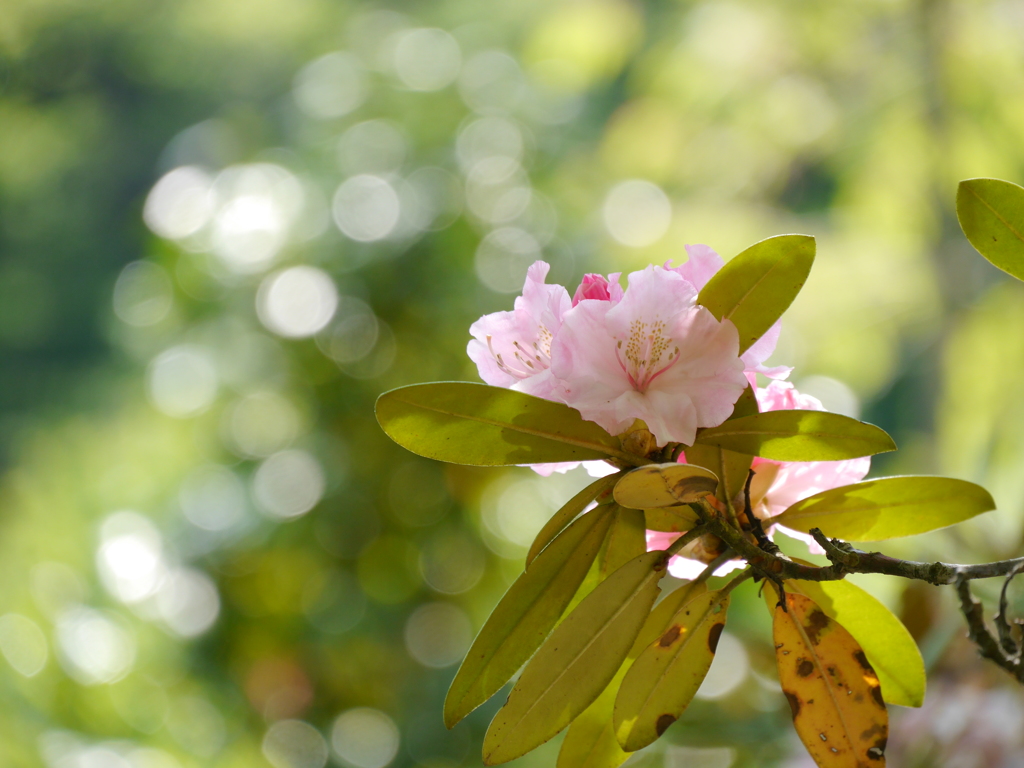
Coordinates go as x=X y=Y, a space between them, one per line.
x=227 y=225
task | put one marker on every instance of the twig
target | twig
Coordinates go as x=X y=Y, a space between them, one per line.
x=685 y=539
x=979 y=634
x=1002 y=623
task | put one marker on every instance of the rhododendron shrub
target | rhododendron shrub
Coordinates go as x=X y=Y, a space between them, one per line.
x=659 y=383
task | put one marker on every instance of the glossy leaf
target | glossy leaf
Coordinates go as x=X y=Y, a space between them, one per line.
x=757 y=286
x=890 y=649
x=730 y=467
x=672 y=519
x=465 y=423
x=526 y=614
x=888 y=507
x=664 y=485
x=991 y=214
x=663 y=680
x=626 y=539
x=577 y=662
x=833 y=692
x=799 y=436
x=598 y=491
x=590 y=741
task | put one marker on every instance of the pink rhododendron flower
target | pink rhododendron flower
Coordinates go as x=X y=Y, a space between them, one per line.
x=777 y=485
x=780 y=484
x=654 y=355
x=513 y=349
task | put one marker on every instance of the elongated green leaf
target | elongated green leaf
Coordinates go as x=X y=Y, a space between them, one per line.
x=991 y=214
x=664 y=485
x=799 y=436
x=576 y=663
x=886 y=642
x=590 y=741
x=758 y=285
x=465 y=423
x=671 y=519
x=626 y=539
x=526 y=614
x=730 y=467
x=598 y=491
x=888 y=507
x=664 y=678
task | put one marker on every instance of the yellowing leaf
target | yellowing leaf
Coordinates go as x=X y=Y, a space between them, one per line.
x=577 y=662
x=731 y=468
x=664 y=678
x=590 y=741
x=890 y=649
x=597 y=490
x=833 y=692
x=526 y=614
x=671 y=519
x=626 y=539
x=664 y=485
x=888 y=507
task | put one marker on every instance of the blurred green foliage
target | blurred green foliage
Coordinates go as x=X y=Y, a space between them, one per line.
x=213 y=556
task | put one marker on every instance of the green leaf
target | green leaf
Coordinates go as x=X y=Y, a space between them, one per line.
x=626 y=539
x=590 y=741
x=465 y=423
x=664 y=485
x=730 y=467
x=888 y=508
x=597 y=490
x=664 y=678
x=991 y=214
x=526 y=614
x=799 y=436
x=758 y=285
x=886 y=642
x=672 y=519
x=577 y=662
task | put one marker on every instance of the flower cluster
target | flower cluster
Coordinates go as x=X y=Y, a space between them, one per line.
x=649 y=353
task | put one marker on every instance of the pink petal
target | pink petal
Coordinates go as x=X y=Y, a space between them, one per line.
x=701 y=266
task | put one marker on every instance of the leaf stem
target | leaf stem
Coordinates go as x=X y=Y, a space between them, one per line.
x=685 y=539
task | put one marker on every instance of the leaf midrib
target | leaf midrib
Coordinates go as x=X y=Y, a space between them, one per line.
x=593 y=639
x=555 y=437
x=828 y=683
x=995 y=213
x=675 y=657
x=532 y=604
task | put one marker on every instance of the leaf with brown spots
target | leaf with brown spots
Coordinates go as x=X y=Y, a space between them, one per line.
x=590 y=741
x=832 y=690
x=888 y=645
x=664 y=485
x=666 y=675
